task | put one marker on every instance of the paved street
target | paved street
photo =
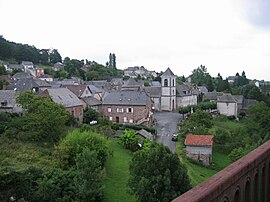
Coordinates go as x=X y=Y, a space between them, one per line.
x=166 y=124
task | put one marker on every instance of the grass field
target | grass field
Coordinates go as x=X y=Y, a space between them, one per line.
x=21 y=154
x=117 y=174
x=228 y=124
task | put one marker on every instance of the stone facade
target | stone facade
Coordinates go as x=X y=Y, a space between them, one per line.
x=202 y=154
x=127 y=114
x=77 y=112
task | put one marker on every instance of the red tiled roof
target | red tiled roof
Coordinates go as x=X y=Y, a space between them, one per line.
x=199 y=140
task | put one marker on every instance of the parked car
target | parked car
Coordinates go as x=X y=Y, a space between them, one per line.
x=174 y=137
x=93 y=122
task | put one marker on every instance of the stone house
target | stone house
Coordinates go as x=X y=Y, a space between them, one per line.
x=127 y=107
x=227 y=105
x=8 y=102
x=68 y=99
x=199 y=147
x=58 y=66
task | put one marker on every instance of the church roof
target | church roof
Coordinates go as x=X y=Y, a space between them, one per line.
x=168 y=72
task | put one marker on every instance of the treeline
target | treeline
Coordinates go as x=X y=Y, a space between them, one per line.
x=17 y=52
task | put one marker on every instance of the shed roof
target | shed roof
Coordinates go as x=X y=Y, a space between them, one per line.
x=199 y=140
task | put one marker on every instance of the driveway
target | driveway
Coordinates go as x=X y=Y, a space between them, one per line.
x=166 y=125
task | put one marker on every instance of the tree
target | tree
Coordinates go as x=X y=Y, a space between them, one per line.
x=198 y=123
x=74 y=144
x=90 y=114
x=90 y=176
x=44 y=120
x=130 y=140
x=156 y=174
x=54 y=56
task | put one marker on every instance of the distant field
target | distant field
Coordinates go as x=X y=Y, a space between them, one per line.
x=117 y=174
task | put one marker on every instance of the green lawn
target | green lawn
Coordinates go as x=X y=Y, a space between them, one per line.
x=117 y=174
x=228 y=124
x=199 y=173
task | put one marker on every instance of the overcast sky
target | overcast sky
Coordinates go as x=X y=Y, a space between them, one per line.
x=226 y=36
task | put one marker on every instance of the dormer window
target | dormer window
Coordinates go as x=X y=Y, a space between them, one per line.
x=4 y=103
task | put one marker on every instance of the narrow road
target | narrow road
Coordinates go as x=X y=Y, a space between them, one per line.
x=166 y=125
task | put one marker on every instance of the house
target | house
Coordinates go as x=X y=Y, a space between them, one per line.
x=24 y=84
x=211 y=96
x=247 y=103
x=136 y=71
x=27 y=65
x=131 y=85
x=227 y=105
x=21 y=75
x=12 y=67
x=199 y=147
x=58 y=66
x=185 y=95
x=127 y=107
x=68 y=99
x=39 y=72
x=92 y=103
x=8 y=102
x=46 y=77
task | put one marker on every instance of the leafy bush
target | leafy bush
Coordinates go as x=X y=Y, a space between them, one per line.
x=130 y=140
x=74 y=144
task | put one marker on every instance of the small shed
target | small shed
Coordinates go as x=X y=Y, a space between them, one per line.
x=145 y=134
x=199 y=147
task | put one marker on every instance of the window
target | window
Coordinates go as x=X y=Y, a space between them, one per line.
x=166 y=82
x=130 y=120
x=130 y=110
x=125 y=119
x=173 y=82
x=110 y=118
x=109 y=109
x=119 y=110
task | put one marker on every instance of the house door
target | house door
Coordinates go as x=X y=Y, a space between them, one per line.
x=117 y=119
x=173 y=105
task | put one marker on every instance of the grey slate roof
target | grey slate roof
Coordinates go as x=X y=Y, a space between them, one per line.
x=239 y=98
x=64 y=96
x=15 y=66
x=226 y=98
x=125 y=98
x=212 y=95
x=145 y=134
x=131 y=83
x=168 y=72
x=156 y=83
x=183 y=90
x=247 y=103
x=8 y=101
x=21 y=75
x=28 y=63
x=91 y=101
x=202 y=89
x=22 y=85
x=153 y=91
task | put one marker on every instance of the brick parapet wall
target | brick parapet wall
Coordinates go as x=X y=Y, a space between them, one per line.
x=245 y=180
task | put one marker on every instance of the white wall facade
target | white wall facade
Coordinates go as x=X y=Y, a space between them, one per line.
x=199 y=150
x=227 y=109
x=186 y=100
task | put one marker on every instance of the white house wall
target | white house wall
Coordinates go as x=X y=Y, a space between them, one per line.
x=199 y=150
x=186 y=100
x=227 y=109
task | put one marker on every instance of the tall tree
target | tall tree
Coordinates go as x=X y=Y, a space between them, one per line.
x=156 y=174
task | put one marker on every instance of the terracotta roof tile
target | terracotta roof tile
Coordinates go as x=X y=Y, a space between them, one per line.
x=199 y=140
